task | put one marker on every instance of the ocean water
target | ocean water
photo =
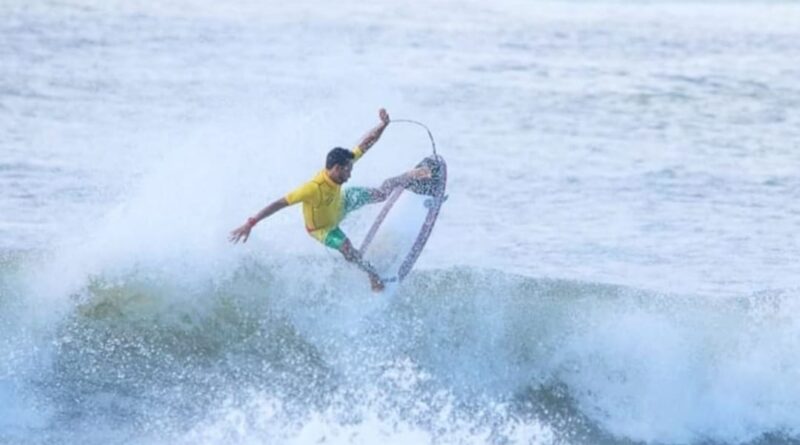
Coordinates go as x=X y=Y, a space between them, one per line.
x=617 y=262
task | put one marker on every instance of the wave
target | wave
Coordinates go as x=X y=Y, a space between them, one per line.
x=450 y=356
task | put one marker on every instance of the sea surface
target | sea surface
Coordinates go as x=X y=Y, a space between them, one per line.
x=617 y=261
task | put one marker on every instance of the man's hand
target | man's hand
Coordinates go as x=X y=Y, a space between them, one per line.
x=372 y=137
x=241 y=232
x=384 y=116
x=244 y=230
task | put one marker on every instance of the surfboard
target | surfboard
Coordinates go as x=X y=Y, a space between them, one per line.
x=423 y=197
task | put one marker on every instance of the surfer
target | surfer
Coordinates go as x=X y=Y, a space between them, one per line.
x=325 y=205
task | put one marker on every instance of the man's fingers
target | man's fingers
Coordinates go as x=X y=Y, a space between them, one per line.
x=235 y=236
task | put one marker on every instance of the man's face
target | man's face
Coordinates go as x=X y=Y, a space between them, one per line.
x=341 y=173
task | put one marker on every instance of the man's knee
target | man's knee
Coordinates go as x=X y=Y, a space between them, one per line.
x=389 y=185
x=378 y=195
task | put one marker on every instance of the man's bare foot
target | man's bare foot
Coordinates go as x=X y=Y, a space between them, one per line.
x=419 y=173
x=377 y=284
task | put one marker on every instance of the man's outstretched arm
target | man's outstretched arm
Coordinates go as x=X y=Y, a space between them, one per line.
x=244 y=230
x=373 y=135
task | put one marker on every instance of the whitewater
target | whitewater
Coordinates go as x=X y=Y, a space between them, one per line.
x=617 y=261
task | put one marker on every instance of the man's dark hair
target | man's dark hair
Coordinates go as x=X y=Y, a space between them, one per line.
x=338 y=156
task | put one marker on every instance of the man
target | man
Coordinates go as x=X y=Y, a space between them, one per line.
x=324 y=204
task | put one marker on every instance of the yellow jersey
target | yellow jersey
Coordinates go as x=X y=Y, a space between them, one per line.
x=321 y=198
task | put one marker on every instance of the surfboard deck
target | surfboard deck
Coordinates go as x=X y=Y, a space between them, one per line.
x=432 y=190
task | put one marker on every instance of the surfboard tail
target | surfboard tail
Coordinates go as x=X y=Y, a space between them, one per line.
x=433 y=186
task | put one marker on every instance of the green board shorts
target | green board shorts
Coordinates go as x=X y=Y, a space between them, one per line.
x=354 y=198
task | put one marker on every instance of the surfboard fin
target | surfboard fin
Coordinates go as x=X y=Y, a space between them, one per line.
x=431 y=202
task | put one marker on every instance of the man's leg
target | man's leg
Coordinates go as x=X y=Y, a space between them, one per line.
x=356 y=197
x=403 y=180
x=354 y=256
x=336 y=239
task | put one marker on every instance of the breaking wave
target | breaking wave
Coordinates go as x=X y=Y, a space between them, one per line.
x=291 y=351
